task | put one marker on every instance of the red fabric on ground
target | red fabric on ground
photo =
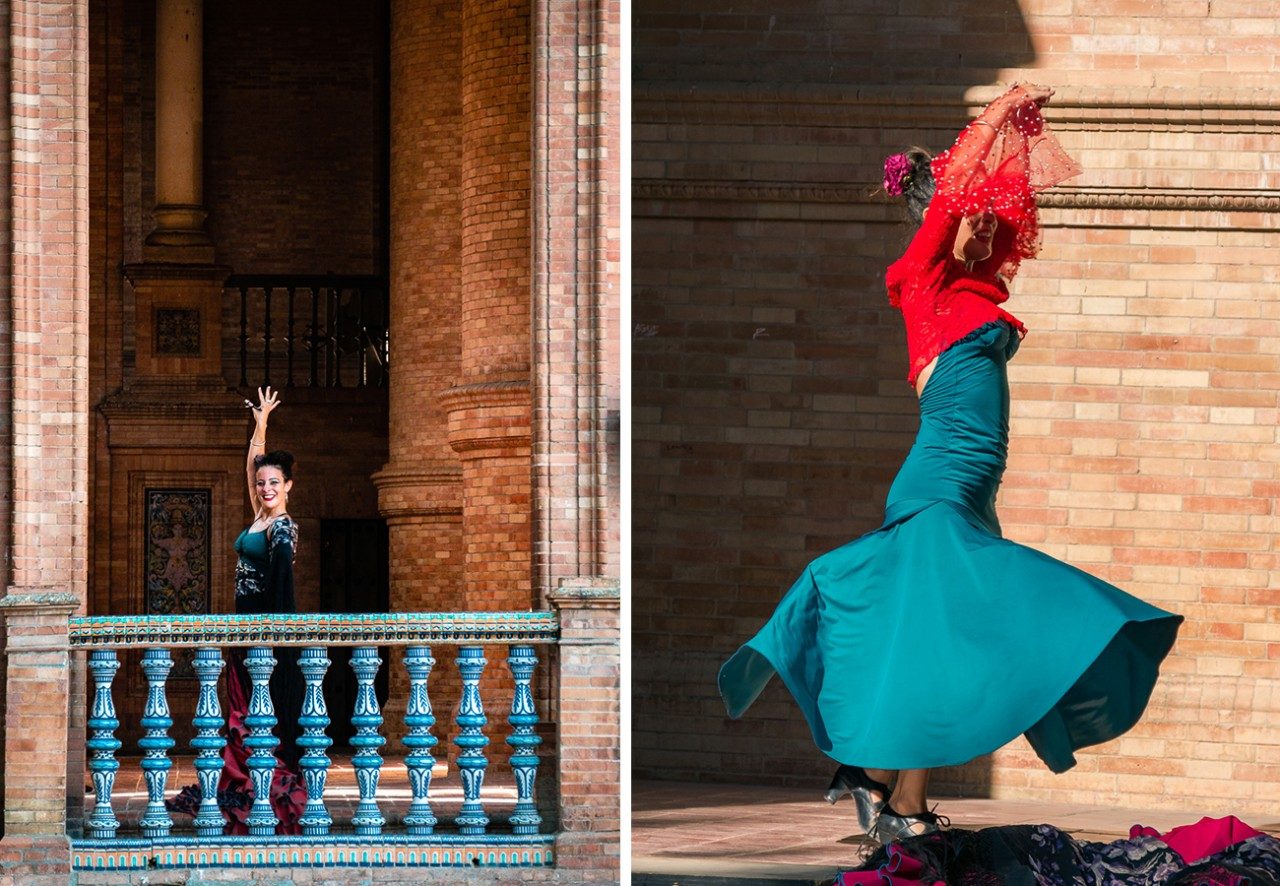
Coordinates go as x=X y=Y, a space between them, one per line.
x=1208 y=836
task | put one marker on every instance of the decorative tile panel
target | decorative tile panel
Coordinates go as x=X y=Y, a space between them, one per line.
x=176 y=565
x=177 y=332
x=304 y=852
x=313 y=629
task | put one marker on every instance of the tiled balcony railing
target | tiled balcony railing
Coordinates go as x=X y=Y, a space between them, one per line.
x=469 y=839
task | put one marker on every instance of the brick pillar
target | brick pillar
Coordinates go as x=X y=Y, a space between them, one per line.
x=420 y=489
x=45 y=323
x=576 y=289
x=36 y=727
x=589 y=765
x=488 y=407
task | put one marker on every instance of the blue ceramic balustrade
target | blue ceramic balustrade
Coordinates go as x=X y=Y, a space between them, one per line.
x=103 y=744
x=472 y=762
x=418 y=719
x=368 y=821
x=156 y=764
x=208 y=743
x=420 y=822
x=261 y=820
x=524 y=759
x=314 y=662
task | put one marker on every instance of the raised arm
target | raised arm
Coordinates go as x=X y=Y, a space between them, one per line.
x=998 y=164
x=965 y=163
x=267 y=401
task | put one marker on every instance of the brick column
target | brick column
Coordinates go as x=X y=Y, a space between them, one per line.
x=420 y=489
x=45 y=320
x=576 y=289
x=36 y=726
x=488 y=408
x=589 y=765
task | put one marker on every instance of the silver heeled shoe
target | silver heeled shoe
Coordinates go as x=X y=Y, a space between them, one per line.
x=854 y=781
x=892 y=826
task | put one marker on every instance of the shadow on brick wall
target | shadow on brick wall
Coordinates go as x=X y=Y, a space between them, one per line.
x=770 y=407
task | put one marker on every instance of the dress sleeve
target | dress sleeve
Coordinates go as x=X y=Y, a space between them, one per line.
x=999 y=163
x=282 y=545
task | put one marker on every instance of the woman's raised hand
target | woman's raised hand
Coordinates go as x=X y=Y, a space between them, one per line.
x=1038 y=94
x=267 y=401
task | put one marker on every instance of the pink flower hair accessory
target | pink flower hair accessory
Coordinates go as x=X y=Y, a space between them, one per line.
x=897 y=174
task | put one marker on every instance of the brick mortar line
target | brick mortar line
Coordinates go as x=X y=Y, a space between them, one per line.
x=1170 y=98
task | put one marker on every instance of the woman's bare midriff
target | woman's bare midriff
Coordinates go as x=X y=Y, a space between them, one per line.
x=923 y=378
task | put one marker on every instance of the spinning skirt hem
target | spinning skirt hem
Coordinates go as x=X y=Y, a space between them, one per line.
x=930 y=642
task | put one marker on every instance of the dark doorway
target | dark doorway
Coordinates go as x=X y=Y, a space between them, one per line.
x=353 y=578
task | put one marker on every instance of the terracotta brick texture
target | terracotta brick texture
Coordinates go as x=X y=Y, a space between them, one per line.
x=295 y=144
x=45 y=440
x=589 y=709
x=420 y=490
x=576 y=266
x=770 y=407
x=35 y=804
x=489 y=407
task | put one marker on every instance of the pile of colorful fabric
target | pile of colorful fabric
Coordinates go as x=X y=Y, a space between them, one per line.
x=1211 y=852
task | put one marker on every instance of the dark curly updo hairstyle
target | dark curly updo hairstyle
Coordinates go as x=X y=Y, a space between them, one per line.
x=276 y=459
x=918 y=186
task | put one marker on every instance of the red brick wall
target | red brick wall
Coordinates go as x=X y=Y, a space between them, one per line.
x=295 y=135
x=6 y=343
x=420 y=491
x=587 y=695
x=770 y=407
x=45 y=347
x=489 y=410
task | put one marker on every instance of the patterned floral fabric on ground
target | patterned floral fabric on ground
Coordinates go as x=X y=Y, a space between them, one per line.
x=1042 y=855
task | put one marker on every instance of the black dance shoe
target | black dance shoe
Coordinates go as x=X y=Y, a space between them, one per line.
x=893 y=826
x=854 y=781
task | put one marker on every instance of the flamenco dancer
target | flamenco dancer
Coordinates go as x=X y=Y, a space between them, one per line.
x=264 y=584
x=932 y=640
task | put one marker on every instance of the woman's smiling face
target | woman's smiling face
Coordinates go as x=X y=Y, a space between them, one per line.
x=271 y=485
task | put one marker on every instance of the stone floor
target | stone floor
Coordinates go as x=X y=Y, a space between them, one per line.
x=705 y=834
x=129 y=798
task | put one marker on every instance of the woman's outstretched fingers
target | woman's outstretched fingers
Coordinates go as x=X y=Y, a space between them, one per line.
x=1038 y=94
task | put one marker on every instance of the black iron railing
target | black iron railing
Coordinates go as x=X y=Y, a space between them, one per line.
x=319 y=331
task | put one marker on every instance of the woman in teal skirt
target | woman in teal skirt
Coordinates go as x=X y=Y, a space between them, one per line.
x=1012 y=641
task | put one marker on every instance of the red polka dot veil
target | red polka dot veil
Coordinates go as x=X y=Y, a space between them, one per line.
x=1000 y=162
x=1004 y=173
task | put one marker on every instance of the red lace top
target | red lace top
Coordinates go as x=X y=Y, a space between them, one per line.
x=999 y=162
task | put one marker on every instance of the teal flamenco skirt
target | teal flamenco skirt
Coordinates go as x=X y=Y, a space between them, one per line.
x=932 y=640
